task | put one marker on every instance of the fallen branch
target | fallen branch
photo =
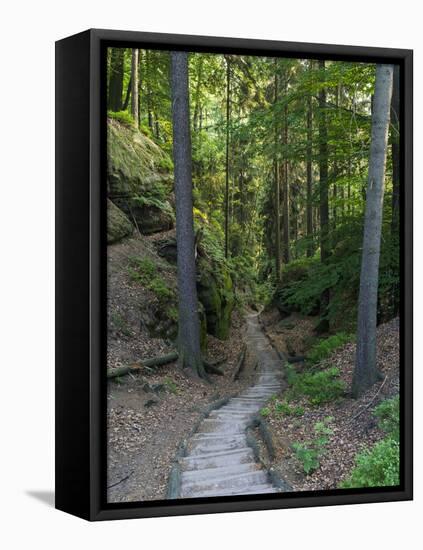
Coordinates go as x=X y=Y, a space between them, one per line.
x=145 y=363
x=121 y=480
x=371 y=401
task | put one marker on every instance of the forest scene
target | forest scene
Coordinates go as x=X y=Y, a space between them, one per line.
x=253 y=268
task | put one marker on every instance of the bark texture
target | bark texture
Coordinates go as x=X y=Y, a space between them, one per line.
x=189 y=323
x=365 y=373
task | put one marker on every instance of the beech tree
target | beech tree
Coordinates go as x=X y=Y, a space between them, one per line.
x=365 y=373
x=189 y=349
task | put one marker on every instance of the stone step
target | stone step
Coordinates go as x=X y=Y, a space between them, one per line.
x=198 y=448
x=214 y=425
x=254 y=490
x=239 y=483
x=221 y=472
x=210 y=436
x=217 y=459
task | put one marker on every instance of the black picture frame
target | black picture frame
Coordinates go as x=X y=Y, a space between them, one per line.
x=81 y=272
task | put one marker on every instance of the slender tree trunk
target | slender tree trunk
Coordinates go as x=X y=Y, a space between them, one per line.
x=365 y=373
x=309 y=215
x=116 y=79
x=148 y=89
x=277 y=192
x=395 y=149
x=285 y=182
x=189 y=324
x=134 y=85
x=197 y=107
x=128 y=95
x=228 y=122
x=323 y=191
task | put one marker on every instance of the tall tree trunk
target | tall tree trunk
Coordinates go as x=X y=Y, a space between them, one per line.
x=189 y=324
x=228 y=122
x=197 y=108
x=323 y=192
x=134 y=85
x=395 y=148
x=309 y=207
x=128 y=95
x=116 y=79
x=285 y=182
x=365 y=373
x=277 y=192
x=148 y=89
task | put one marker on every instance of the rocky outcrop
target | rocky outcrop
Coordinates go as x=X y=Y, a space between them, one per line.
x=118 y=225
x=215 y=292
x=139 y=178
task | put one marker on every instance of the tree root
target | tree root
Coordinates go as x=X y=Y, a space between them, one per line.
x=145 y=363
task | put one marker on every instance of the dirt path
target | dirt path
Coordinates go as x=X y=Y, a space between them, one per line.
x=218 y=460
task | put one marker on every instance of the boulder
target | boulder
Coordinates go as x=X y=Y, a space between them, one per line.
x=118 y=225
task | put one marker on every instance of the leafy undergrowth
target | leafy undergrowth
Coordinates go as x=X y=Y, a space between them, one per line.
x=334 y=440
x=379 y=465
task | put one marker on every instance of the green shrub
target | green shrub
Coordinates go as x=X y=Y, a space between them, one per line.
x=171 y=386
x=320 y=387
x=388 y=415
x=162 y=292
x=282 y=407
x=122 y=116
x=265 y=411
x=324 y=348
x=309 y=454
x=144 y=271
x=376 y=467
x=379 y=466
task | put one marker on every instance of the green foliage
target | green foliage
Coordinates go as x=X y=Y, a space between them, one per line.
x=320 y=387
x=380 y=465
x=309 y=454
x=121 y=116
x=171 y=386
x=325 y=347
x=376 y=467
x=144 y=271
x=388 y=414
x=283 y=407
x=265 y=411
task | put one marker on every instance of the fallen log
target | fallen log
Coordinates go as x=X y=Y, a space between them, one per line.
x=145 y=363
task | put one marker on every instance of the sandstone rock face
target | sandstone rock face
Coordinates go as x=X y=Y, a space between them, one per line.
x=118 y=225
x=139 y=178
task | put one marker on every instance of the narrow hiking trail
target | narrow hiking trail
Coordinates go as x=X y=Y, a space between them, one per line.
x=218 y=460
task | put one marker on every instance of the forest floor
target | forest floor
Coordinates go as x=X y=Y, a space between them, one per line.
x=353 y=424
x=151 y=413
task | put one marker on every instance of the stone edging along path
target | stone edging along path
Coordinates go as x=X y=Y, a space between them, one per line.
x=217 y=459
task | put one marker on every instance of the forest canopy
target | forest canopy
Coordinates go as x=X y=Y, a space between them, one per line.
x=262 y=131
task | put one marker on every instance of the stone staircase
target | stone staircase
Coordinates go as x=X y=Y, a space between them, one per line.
x=218 y=460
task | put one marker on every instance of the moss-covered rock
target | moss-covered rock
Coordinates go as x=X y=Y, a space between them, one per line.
x=215 y=292
x=139 y=178
x=118 y=225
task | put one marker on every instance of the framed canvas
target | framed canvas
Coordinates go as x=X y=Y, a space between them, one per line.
x=233 y=274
